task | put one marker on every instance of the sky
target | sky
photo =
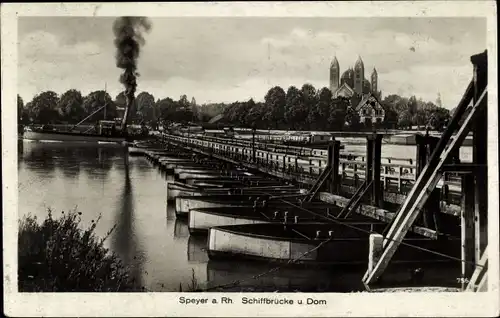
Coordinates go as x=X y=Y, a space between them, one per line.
x=226 y=59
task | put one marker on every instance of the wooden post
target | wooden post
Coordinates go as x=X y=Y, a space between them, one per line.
x=479 y=154
x=253 y=145
x=469 y=253
x=334 y=163
x=425 y=146
x=375 y=250
x=376 y=164
x=369 y=155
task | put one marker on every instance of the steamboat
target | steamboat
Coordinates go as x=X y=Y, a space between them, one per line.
x=104 y=131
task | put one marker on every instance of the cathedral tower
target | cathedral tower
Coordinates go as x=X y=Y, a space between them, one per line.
x=359 y=76
x=334 y=75
x=374 y=82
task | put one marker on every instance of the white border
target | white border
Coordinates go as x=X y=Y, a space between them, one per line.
x=156 y=304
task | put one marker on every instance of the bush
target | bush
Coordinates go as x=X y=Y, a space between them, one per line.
x=58 y=256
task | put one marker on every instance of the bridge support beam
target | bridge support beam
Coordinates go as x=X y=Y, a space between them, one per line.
x=334 y=163
x=373 y=164
x=429 y=214
x=469 y=237
x=480 y=154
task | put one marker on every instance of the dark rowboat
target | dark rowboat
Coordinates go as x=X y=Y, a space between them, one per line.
x=184 y=204
x=346 y=242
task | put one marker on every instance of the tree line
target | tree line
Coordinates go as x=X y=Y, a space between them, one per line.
x=72 y=107
x=297 y=109
x=311 y=109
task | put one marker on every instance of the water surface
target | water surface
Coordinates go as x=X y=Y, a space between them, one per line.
x=96 y=180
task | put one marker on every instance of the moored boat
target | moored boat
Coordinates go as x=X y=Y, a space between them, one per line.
x=69 y=136
x=170 y=166
x=224 y=183
x=184 y=204
x=201 y=220
x=175 y=189
x=345 y=242
x=137 y=148
x=200 y=169
x=208 y=174
x=228 y=181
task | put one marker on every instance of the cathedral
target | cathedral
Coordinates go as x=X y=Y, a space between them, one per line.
x=353 y=81
x=363 y=94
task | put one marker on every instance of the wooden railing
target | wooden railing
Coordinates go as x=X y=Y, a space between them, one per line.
x=396 y=173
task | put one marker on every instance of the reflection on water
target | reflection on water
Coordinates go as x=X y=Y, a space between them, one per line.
x=181 y=230
x=96 y=180
x=269 y=278
x=170 y=212
x=197 y=249
x=131 y=195
x=124 y=238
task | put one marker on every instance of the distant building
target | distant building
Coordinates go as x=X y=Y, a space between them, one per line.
x=370 y=110
x=353 y=81
x=439 y=103
x=363 y=95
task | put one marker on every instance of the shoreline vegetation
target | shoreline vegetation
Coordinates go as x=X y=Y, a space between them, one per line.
x=58 y=255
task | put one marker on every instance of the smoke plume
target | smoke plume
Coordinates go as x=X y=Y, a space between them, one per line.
x=128 y=41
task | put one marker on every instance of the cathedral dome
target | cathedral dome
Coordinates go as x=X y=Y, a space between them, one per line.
x=349 y=74
x=366 y=86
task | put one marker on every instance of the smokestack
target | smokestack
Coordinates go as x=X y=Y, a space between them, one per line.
x=128 y=41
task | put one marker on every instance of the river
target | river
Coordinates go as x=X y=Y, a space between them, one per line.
x=96 y=180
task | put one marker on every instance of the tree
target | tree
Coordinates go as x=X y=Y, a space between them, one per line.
x=183 y=101
x=391 y=118
x=405 y=119
x=232 y=115
x=196 y=110
x=22 y=114
x=395 y=103
x=440 y=118
x=275 y=101
x=294 y=108
x=145 y=107
x=70 y=106
x=254 y=117
x=212 y=110
x=43 y=108
x=95 y=101
x=352 y=119
x=245 y=109
x=319 y=113
x=412 y=106
x=167 y=108
x=338 y=112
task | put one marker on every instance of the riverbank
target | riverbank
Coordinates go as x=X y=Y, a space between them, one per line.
x=58 y=255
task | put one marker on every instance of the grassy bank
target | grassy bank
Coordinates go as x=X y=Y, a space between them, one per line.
x=58 y=255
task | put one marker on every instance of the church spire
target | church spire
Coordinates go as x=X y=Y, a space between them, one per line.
x=439 y=103
x=334 y=75
x=374 y=82
x=335 y=62
x=359 y=76
x=359 y=63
